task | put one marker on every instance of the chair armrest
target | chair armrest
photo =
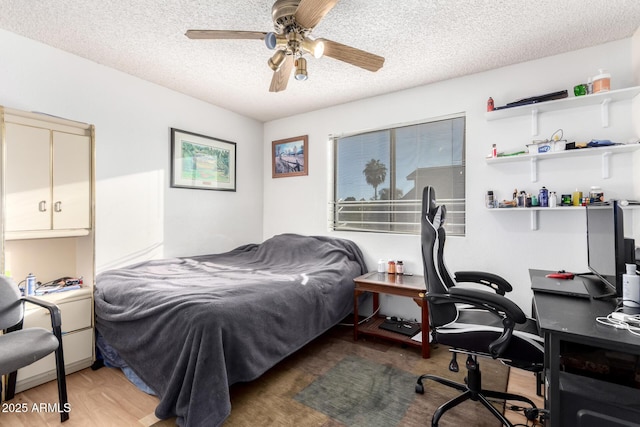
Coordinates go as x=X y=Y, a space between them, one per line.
x=493 y=302
x=495 y=282
x=54 y=311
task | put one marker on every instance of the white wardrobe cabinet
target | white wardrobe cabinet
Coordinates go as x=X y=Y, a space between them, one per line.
x=47 y=198
x=48 y=180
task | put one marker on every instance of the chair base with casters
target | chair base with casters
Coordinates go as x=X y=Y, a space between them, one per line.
x=472 y=389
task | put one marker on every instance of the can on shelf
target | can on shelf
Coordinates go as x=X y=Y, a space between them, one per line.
x=596 y=194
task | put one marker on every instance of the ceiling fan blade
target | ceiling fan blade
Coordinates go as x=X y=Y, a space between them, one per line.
x=281 y=77
x=311 y=12
x=353 y=56
x=224 y=34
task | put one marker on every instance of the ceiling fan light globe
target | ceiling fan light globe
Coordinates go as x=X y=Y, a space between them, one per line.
x=301 y=69
x=275 y=62
x=270 y=40
x=275 y=41
x=314 y=47
x=318 y=49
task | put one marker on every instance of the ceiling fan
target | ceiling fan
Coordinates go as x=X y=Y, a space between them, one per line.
x=293 y=22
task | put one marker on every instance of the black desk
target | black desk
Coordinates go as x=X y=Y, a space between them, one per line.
x=586 y=397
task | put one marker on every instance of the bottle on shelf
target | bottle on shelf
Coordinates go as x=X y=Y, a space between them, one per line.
x=543 y=197
x=576 y=198
x=631 y=287
x=490 y=200
x=490 y=106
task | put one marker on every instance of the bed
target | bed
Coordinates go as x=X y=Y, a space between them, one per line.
x=191 y=327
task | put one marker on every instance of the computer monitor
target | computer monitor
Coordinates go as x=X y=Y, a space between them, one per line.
x=606 y=244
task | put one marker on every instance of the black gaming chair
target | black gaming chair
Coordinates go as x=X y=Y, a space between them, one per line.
x=473 y=321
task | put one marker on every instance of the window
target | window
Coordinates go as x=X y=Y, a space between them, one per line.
x=379 y=177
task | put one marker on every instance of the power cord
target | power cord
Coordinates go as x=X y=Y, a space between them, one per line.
x=360 y=322
x=619 y=320
x=536 y=416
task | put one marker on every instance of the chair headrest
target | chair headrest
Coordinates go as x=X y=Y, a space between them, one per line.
x=428 y=202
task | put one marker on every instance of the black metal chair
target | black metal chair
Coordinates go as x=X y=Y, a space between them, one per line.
x=21 y=347
x=473 y=321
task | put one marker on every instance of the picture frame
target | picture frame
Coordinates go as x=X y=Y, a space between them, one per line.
x=290 y=157
x=202 y=162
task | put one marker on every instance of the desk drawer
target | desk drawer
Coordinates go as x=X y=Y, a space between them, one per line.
x=588 y=402
x=76 y=315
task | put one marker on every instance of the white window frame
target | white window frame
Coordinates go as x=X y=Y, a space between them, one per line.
x=338 y=209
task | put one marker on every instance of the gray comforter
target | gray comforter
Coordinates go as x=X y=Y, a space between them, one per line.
x=191 y=327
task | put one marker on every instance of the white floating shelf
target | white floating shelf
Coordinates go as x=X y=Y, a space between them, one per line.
x=603 y=98
x=589 y=151
x=533 y=159
x=535 y=216
x=533 y=211
x=538 y=208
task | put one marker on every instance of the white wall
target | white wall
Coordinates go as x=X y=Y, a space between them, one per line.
x=140 y=217
x=137 y=215
x=635 y=47
x=500 y=242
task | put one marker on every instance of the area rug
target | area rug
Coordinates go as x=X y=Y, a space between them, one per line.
x=337 y=382
x=361 y=393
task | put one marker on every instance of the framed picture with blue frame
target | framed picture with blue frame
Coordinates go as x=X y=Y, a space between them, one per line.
x=202 y=162
x=290 y=157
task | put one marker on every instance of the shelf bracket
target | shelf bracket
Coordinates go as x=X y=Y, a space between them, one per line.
x=534 y=220
x=534 y=122
x=605 y=164
x=534 y=169
x=604 y=112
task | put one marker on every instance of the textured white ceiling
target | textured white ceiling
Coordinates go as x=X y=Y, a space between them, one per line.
x=423 y=41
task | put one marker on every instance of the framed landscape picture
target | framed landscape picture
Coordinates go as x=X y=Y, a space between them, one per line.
x=290 y=157
x=202 y=162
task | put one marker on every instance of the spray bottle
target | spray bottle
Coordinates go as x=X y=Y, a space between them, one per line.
x=631 y=287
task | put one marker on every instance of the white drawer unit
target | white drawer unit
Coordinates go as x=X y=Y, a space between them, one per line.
x=77 y=339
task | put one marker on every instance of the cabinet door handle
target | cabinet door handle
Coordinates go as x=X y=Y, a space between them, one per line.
x=57 y=207
x=42 y=206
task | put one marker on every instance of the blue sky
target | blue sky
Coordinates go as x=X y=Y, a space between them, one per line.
x=424 y=145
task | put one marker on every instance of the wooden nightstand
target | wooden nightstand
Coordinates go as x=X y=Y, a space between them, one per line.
x=392 y=284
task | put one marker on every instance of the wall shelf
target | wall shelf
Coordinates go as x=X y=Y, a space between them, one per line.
x=603 y=98
x=534 y=212
x=533 y=159
x=535 y=216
